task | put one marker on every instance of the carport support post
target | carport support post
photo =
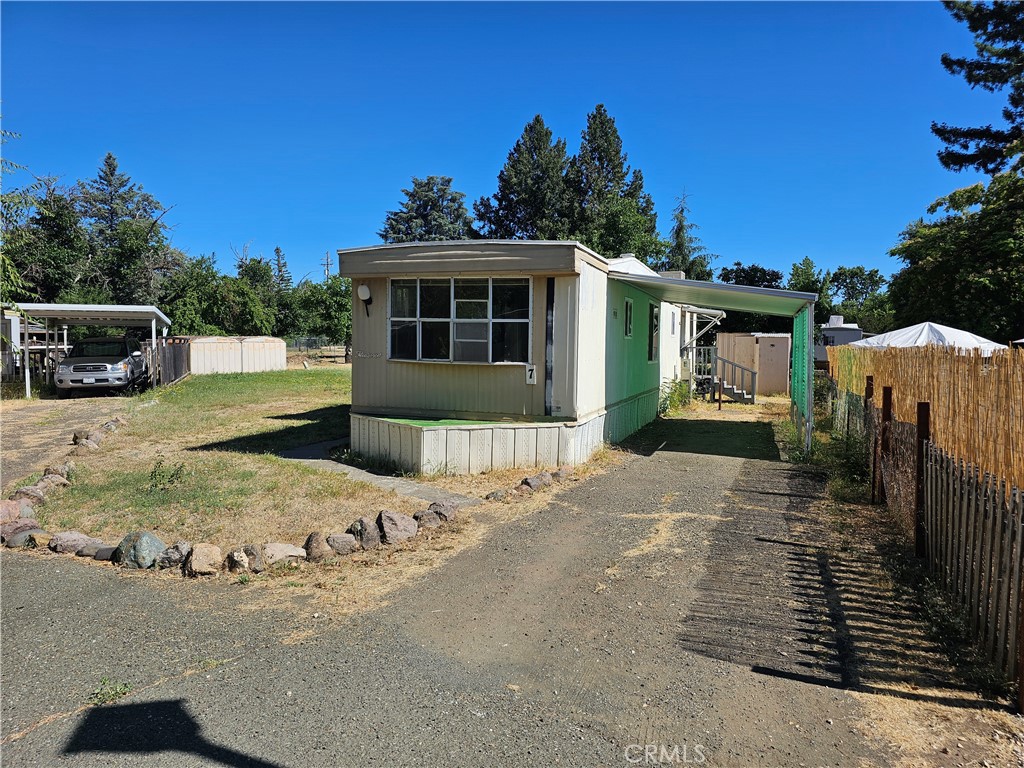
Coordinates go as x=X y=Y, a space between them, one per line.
x=924 y=434
x=24 y=356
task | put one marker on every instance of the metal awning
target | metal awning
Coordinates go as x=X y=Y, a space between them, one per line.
x=97 y=314
x=738 y=298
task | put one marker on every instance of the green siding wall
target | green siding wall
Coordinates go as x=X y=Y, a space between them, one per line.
x=627 y=370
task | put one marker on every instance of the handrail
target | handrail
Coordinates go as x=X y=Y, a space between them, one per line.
x=705 y=361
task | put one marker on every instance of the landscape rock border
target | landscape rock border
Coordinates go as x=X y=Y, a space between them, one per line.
x=144 y=550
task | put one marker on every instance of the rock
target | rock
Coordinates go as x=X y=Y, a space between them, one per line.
x=395 y=527
x=366 y=532
x=69 y=542
x=538 y=481
x=32 y=493
x=27 y=510
x=427 y=519
x=174 y=556
x=523 y=489
x=317 y=548
x=276 y=552
x=10 y=510
x=54 y=481
x=342 y=543
x=237 y=561
x=444 y=509
x=203 y=560
x=496 y=495
x=561 y=474
x=80 y=436
x=38 y=539
x=97 y=436
x=255 y=554
x=64 y=470
x=138 y=550
x=121 y=420
x=90 y=550
x=104 y=553
x=13 y=528
x=85 y=446
x=23 y=538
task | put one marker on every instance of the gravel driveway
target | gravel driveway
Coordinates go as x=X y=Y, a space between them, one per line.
x=36 y=432
x=659 y=610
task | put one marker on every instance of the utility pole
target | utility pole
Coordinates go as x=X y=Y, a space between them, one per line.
x=327 y=264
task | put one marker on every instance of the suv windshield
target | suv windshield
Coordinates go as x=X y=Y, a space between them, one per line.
x=112 y=348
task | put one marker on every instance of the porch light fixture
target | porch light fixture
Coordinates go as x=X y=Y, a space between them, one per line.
x=363 y=292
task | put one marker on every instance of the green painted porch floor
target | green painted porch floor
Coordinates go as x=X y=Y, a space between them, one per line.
x=441 y=422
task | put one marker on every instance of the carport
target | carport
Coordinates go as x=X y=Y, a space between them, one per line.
x=57 y=317
x=765 y=301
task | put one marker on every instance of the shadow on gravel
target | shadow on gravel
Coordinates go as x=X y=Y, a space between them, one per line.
x=775 y=599
x=320 y=425
x=742 y=439
x=145 y=729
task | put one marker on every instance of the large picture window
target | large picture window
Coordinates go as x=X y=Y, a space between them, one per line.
x=461 y=319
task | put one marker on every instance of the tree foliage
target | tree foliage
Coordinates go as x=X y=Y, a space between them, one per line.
x=684 y=251
x=530 y=202
x=431 y=211
x=998 y=30
x=966 y=269
x=102 y=241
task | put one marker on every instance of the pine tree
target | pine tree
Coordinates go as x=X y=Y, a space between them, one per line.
x=432 y=211
x=686 y=253
x=530 y=201
x=608 y=209
x=998 y=30
x=109 y=199
x=282 y=276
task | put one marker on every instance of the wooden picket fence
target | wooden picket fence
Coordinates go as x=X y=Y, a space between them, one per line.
x=974 y=541
x=945 y=438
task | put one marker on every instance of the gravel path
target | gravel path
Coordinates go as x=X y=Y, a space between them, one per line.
x=36 y=432
x=662 y=604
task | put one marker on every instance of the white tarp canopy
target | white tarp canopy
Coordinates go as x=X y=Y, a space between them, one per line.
x=925 y=334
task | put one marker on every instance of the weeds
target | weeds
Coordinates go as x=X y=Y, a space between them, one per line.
x=160 y=479
x=674 y=396
x=109 y=691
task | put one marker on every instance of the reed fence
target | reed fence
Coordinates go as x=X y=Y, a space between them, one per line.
x=977 y=402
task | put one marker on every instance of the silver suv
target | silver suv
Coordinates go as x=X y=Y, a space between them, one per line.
x=107 y=362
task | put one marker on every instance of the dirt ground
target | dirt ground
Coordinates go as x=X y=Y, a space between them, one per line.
x=38 y=431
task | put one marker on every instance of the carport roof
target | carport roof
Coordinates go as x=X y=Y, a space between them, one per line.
x=97 y=314
x=738 y=298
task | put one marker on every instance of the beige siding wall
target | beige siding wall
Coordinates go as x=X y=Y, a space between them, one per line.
x=773 y=358
x=462 y=390
x=671 y=341
x=590 y=359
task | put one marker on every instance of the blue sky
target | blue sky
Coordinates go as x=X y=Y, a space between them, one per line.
x=797 y=129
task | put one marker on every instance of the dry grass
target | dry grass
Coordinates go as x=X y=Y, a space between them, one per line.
x=198 y=466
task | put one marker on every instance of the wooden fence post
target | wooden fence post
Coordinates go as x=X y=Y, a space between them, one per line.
x=924 y=434
x=869 y=394
x=885 y=430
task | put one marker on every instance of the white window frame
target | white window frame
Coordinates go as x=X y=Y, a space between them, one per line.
x=452 y=321
x=627 y=319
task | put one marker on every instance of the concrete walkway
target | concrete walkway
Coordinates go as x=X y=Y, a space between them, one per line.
x=318 y=457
